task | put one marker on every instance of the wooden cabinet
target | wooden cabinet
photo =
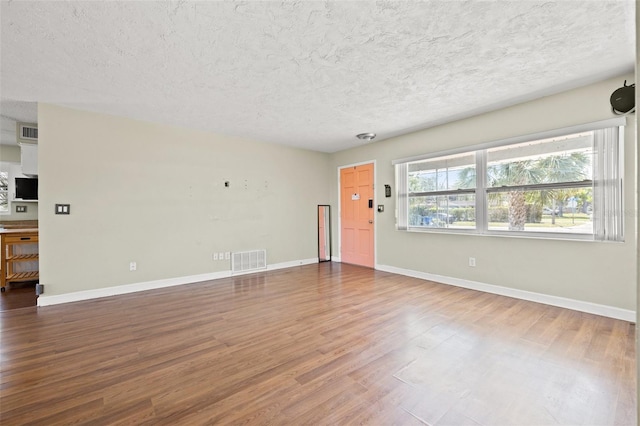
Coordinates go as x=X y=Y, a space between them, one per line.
x=18 y=246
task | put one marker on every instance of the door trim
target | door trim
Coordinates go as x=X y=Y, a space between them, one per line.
x=375 y=221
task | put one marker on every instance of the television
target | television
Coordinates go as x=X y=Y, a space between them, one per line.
x=27 y=188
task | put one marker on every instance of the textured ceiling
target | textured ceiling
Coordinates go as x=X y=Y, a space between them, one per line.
x=306 y=74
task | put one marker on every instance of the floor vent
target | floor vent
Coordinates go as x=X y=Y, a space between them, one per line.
x=248 y=261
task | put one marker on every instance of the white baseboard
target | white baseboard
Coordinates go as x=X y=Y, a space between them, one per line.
x=292 y=264
x=281 y=265
x=577 y=305
x=77 y=296
x=562 y=302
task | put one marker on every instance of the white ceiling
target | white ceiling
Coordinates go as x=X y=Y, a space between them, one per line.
x=302 y=73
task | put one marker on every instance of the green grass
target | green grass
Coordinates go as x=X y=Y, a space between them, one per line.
x=567 y=221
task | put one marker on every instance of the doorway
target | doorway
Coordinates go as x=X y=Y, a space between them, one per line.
x=357 y=239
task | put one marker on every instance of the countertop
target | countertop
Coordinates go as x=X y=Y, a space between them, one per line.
x=11 y=227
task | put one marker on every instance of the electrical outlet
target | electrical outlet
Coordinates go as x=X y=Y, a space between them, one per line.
x=227 y=255
x=215 y=256
x=133 y=266
x=221 y=256
x=472 y=262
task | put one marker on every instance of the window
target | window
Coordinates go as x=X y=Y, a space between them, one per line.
x=442 y=192
x=4 y=192
x=543 y=185
x=568 y=185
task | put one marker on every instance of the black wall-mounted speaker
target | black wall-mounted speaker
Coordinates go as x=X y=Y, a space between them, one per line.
x=623 y=100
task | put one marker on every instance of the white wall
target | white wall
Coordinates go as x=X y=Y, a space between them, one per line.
x=601 y=273
x=10 y=153
x=155 y=195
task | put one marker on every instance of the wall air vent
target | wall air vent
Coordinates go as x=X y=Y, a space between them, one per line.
x=246 y=261
x=27 y=133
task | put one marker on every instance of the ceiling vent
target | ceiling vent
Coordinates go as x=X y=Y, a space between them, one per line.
x=27 y=133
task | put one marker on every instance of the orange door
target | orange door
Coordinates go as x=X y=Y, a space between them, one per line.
x=356 y=215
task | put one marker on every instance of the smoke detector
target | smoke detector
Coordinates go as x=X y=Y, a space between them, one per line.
x=367 y=137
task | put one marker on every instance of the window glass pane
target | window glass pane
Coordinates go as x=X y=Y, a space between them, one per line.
x=4 y=192
x=443 y=173
x=562 y=159
x=443 y=211
x=560 y=210
x=4 y=181
x=4 y=202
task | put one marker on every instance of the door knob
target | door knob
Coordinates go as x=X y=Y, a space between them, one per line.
x=370 y=221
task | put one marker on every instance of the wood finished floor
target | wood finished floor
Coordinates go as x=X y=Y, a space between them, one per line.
x=319 y=345
x=18 y=295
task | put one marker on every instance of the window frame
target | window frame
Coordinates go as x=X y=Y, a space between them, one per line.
x=481 y=190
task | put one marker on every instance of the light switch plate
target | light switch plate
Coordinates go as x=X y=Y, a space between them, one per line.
x=63 y=208
x=21 y=209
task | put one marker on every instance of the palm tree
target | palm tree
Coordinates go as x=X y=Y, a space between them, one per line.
x=510 y=174
x=563 y=168
x=551 y=169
